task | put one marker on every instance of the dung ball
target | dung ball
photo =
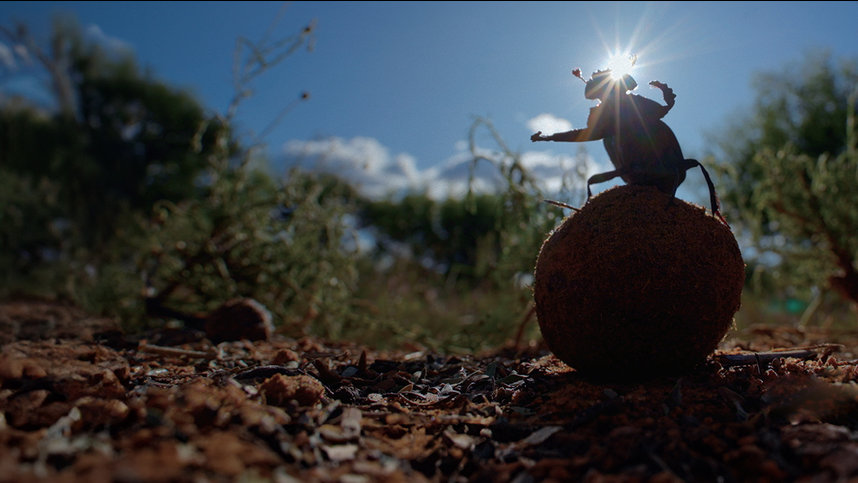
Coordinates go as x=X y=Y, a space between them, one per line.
x=637 y=284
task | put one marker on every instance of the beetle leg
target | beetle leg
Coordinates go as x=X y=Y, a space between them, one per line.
x=713 y=197
x=601 y=178
x=667 y=94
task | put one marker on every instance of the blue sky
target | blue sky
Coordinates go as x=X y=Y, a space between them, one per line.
x=395 y=86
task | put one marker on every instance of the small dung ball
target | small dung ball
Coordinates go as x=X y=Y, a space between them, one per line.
x=237 y=319
x=637 y=284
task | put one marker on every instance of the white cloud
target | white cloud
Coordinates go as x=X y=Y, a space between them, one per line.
x=369 y=166
x=22 y=52
x=6 y=57
x=548 y=124
x=94 y=33
x=362 y=161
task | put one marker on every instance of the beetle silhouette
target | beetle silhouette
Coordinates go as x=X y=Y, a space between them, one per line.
x=642 y=148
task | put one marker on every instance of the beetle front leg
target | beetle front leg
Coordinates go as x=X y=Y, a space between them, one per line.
x=666 y=93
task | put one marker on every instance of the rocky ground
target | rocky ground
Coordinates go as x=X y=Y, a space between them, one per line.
x=80 y=401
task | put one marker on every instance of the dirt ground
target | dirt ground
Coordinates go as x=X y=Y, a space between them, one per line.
x=80 y=401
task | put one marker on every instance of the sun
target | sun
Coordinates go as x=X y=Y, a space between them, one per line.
x=620 y=64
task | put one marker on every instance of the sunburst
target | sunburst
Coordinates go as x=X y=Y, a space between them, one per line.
x=621 y=64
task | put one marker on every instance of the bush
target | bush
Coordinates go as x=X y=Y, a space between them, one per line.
x=281 y=243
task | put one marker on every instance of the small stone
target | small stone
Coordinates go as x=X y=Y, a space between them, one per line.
x=239 y=319
x=280 y=389
x=285 y=356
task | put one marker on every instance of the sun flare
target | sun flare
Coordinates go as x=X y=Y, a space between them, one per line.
x=620 y=64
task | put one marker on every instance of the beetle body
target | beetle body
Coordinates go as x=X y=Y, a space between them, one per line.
x=642 y=148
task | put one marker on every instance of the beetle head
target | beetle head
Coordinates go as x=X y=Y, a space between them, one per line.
x=602 y=84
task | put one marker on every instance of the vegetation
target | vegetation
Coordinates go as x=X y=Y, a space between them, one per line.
x=113 y=143
x=128 y=197
x=464 y=281
x=789 y=171
x=118 y=140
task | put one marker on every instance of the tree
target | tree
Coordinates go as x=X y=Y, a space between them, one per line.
x=813 y=205
x=789 y=171
x=170 y=214
x=114 y=138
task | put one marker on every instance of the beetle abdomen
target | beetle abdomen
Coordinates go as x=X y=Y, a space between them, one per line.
x=647 y=155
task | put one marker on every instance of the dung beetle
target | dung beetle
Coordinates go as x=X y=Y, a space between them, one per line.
x=642 y=148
